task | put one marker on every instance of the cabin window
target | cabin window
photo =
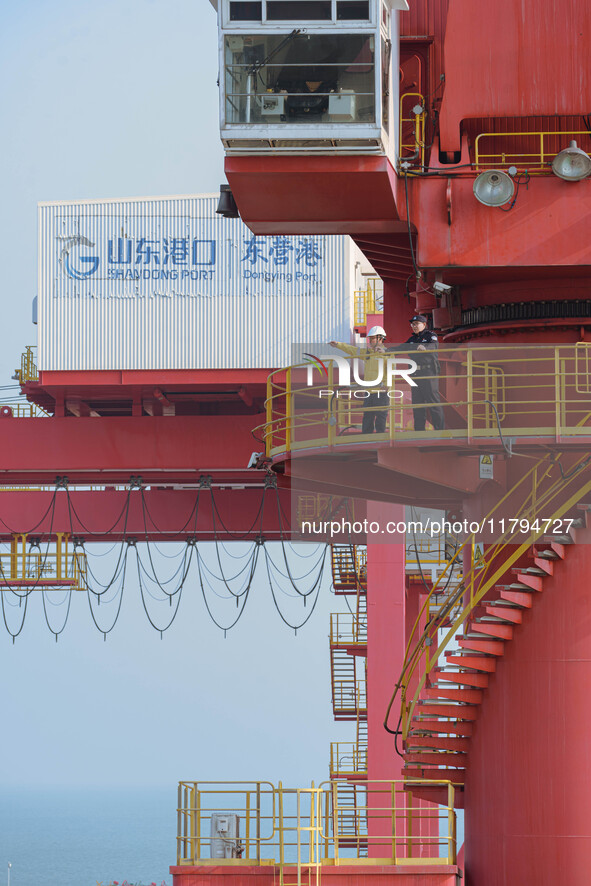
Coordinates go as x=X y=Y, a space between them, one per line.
x=298 y=10
x=300 y=78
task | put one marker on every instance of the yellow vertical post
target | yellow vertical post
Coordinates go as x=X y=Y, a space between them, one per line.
x=197 y=821
x=470 y=393
x=557 y=392
x=332 y=412
x=451 y=825
x=258 y=828
x=288 y=411
x=393 y=826
x=281 y=834
x=326 y=821
x=181 y=831
x=472 y=573
x=335 y=822
x=317 y=822
x=269 y=417
x=13 y=556
x=487 y=396
x=23 y=556
x=563 y=394
x=247 y=825
x=61 y=553
x=298 y=839
x=409 y=810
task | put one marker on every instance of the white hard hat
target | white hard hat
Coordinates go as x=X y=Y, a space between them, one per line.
x=376 y=330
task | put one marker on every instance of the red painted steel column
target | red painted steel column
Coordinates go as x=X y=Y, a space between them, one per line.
x=528 y=797
x=386 y=589
x=391 y=614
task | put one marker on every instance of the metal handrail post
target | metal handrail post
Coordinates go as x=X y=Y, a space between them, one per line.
x=288 y=411
x=557 y=392
x=258 y=828
x=247 y=826
x=179 y=827
x=332 y=412
x=299 y=836
x=335 y=823
x=451 y=825
x=409 y=808
x=393 y=812
x=470 y=393
x=197 y=821
x=281 y=834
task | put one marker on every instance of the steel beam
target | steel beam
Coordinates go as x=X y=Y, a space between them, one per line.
x=106 y=450
x=103 y=515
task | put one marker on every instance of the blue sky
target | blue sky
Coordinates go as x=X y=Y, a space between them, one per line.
x=115 y=99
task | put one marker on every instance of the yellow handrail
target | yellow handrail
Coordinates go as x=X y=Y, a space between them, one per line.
x=301 y=829
x=412 y=150
x=537 y=160
x=369 y=300
x=347 y=629
x=537 y=392
x=479 y=575
x=50 y=565
x=348 y=758
x=28 y=369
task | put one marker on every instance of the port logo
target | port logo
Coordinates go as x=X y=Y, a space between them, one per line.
x=74 y=263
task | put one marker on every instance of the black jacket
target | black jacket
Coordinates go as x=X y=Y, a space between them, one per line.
x=428 y=363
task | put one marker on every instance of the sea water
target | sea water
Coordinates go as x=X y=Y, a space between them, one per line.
x=81 y=837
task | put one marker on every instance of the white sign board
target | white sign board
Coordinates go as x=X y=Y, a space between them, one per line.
x=486 y=467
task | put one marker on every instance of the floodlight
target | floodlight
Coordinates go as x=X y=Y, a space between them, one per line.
x=572 y=164
x=493 y=188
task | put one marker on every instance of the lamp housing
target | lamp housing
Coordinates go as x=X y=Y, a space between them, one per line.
x=572 y=164
x=226 y=204
x=493 y=187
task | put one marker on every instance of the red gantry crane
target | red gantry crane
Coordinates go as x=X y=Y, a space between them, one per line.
x=450 y=140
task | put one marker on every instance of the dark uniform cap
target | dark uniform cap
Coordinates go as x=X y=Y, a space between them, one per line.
x=418 y=318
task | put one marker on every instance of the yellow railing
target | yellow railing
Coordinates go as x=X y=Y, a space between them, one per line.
x=349 y=697
x=535 y=152
x=22 y=410
x=42 y=565
x=28 y=369
x=536 y=392
x=298 y=830
x=347 y=629
x=543 y=490
x=432 y=551
x=412 y=129
x=348 y=758
x=369 y=300
x=349 y=566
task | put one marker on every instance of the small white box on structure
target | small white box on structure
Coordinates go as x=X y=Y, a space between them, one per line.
x=272 y=104
x=225 y=835
x=341 y=105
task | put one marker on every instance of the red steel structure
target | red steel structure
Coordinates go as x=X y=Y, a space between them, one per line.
x=502 y=86
x=501 y=715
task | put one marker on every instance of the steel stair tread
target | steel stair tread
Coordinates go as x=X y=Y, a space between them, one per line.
x=421 y=727
x=475 y=663
x=461 y=678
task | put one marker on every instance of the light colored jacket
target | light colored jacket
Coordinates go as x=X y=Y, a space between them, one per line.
x=373 y=361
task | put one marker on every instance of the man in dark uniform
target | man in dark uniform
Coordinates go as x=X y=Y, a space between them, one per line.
x=426 y=391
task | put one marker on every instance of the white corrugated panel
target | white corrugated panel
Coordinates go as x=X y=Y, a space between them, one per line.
x=165 y=283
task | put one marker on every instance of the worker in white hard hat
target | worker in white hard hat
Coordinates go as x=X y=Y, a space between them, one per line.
x=373 y=355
